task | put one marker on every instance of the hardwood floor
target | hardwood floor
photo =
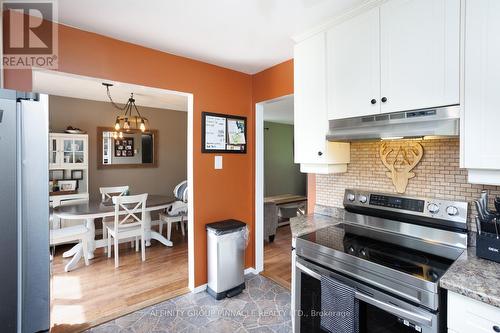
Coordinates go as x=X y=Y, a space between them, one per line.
x=278 y=257
x=90 y=295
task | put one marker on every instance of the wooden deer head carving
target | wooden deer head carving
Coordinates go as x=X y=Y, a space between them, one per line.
x=406 y=158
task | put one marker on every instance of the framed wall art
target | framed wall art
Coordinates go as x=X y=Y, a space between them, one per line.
x=221 y=133
x=124 y=147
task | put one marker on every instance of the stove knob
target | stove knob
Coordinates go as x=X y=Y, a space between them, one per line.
x=363 y=252
x=362 y=198
x=452 y=210
x=351 y=197
x=351 y=249
x=433 y=208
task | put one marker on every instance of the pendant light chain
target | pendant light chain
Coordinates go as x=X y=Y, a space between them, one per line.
x=127 y=118
x=111 y=100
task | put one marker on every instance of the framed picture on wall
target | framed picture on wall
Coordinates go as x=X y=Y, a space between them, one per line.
x=124 y=147
x=221 y=133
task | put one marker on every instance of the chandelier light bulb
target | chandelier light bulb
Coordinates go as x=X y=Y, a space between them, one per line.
x=115 y=135
x=117 y=124
x=121 y=135
x=142 y=126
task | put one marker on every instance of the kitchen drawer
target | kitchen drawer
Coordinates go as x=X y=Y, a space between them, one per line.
x=466 y=315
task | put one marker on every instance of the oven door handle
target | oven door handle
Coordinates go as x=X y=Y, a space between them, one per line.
x=410 y=315
x=393 y=309
x=308 y=271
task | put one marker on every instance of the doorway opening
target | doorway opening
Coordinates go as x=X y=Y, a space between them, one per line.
x=280 y=188
x=94 y=158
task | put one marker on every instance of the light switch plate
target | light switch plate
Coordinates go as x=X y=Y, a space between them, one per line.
x=218 y=162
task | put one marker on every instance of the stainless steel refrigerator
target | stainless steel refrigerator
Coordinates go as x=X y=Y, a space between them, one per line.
x=24 y=212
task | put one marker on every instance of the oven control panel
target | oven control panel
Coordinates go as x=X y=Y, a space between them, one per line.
x=454 y=211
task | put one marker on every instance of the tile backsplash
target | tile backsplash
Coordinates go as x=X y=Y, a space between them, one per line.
x=437 y=175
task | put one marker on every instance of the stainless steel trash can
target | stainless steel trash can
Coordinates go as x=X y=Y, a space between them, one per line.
x=226 y=242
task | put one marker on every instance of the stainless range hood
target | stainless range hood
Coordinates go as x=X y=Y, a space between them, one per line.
x=440 y=122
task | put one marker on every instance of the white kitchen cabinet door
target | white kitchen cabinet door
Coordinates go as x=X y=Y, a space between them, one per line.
x=353 y=66
x=310 y=115
x=481 y=112
x=420 y=54
x=467 y=315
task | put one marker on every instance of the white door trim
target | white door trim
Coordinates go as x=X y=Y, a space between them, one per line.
x=259 y=187
x=259 y=182
x=190 y=150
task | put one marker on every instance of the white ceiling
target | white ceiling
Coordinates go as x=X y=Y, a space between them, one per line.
x=280 y=110
x=77 y=86
x=244 y=35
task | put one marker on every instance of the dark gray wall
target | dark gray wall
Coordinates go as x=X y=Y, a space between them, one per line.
x=281 y=175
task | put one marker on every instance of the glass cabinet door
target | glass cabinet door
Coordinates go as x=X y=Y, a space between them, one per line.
x=79 y=151
x=73 y=151
x=53 y=153
x=68 y=155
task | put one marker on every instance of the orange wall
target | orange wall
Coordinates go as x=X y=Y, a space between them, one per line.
x=273 y=82
x=219 y=194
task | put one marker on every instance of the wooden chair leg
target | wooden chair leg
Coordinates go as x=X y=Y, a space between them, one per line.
x=160 y=227
x=85 y=250
x=169 y=229
x=109 y=245
x=136 y=244
x=116 y=252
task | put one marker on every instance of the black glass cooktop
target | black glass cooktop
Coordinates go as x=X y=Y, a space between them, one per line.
x=416 y=263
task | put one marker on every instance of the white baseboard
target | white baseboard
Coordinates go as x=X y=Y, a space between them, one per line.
x=251 y=270
x=199 y=289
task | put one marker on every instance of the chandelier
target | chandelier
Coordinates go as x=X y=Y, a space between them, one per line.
x=127 y=121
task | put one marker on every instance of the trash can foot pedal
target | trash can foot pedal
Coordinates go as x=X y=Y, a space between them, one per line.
x=236 y=290
x=228 y=293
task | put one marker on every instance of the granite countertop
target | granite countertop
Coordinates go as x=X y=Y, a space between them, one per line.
x=474 y=277
x=323 y=217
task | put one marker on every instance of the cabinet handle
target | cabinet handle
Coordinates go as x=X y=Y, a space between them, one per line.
x=373 y=101
x=496 y=329
x=384 y=99
x=320 y=153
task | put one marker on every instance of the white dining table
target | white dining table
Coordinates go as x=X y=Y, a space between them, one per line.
x=95 y=209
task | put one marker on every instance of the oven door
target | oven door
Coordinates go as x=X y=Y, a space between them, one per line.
x=378 y=311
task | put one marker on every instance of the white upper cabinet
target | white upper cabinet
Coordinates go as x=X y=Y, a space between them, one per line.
x=420 y=54
x=310 y=120
x=481 y=111
x=402 y=55
x=353 y=66
x=312 y=150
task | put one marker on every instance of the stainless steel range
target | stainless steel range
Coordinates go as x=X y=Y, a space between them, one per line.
x=393 y=250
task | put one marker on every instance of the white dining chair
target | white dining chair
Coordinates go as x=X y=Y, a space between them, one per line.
x=164 y=217
x=131 y=225
x=79 y=233
x=107 y=193
x=177 y=211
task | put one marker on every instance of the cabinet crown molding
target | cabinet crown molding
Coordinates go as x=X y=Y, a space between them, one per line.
x=367 y=5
